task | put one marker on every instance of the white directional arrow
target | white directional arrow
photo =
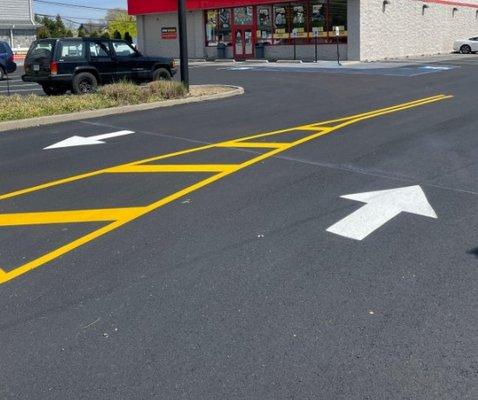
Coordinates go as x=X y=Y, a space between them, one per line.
x=87 y=141
x=381 y=207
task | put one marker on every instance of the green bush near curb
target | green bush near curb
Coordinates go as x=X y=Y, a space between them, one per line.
x=119 y=94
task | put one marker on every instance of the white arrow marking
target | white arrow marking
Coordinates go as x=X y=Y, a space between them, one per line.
x=381 y=207
x=87 y=141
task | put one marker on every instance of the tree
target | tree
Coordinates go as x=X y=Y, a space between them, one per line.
x=82 y=31
x=59 y=28
x=69 y=33
x=117 y=35
x=119 y=20
x=94 y=34
x=105 y=35
x=128 y=38
x=43 y=33
x=49 y=24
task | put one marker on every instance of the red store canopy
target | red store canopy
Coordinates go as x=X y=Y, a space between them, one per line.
x=137 y=7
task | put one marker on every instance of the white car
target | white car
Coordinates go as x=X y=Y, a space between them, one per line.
x=466 y=46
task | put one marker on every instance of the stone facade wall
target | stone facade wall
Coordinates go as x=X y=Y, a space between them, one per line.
x=22 y=38
x=405 y=28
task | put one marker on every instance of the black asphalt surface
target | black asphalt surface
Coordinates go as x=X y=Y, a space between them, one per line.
x=13 y=84
x=236 y=291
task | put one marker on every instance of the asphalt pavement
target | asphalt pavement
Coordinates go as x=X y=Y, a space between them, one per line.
x=245 y=248
x=13 y=84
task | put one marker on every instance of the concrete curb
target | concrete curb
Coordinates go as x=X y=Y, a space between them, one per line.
x=54 y=119
x=289 y=61
x=257 y=61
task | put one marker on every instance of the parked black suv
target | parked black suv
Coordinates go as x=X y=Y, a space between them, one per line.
x=7 y=65
x=81 y=64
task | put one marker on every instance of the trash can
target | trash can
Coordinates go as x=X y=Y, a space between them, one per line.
x=221 y=51
x=260 y=51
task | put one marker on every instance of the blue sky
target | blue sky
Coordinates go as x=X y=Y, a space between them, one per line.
x=78 y=14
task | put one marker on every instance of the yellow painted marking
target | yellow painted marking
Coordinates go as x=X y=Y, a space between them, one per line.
x=172 y=168
x=398 y=107
x=254 y=145
x=67 y=217
x=117 y=217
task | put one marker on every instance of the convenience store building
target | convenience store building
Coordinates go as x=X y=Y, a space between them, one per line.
x=304 y=29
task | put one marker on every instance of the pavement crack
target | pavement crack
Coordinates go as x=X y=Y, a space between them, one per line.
x=362 y=171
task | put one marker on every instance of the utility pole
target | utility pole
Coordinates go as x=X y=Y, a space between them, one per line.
x=183 y=42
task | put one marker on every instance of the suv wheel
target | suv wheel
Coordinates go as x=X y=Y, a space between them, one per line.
x=54 y=90
x=161 y=74
x=84 y=83
x=465 y=49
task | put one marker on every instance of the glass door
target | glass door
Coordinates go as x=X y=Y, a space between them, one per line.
x=243 y=42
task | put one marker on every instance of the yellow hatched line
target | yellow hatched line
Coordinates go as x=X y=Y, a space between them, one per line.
x=67 y=217
x=258 y=145
x=121 y=216
x=172 y=168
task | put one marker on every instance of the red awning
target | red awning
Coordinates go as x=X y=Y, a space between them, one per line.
x=137 y=7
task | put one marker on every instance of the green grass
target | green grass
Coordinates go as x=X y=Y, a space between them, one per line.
x=119 y=94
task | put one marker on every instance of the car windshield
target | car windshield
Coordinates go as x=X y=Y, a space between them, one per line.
x=41 y=49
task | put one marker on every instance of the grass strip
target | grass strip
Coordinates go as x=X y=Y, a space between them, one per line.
x=18 y=107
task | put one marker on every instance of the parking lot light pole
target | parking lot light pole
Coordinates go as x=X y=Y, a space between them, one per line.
x=183 y=43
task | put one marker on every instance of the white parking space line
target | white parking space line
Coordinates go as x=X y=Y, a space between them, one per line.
x=20 y=90
x=18 y=85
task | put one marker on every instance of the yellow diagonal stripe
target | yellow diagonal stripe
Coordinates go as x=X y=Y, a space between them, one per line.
x=118 y=217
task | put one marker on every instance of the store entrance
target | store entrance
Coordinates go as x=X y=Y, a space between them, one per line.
x=243 y=42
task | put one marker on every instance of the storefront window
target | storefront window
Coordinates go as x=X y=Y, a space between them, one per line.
x=211 y=28
x=299 y=22
x=243 y=15
x=264 y=24
x=224 y=28
x=338 y=17
x=299 y=17
x=318 y=19
x=281 y=30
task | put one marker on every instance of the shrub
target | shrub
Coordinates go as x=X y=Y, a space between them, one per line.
x=167 y=89
x=123 y=93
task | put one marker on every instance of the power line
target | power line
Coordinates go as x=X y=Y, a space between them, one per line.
x=58 y=3
x=73 y=18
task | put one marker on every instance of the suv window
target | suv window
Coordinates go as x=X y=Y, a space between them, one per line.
x=72 y=49
x=41 y=49
x=123 y=49
x=99 y=49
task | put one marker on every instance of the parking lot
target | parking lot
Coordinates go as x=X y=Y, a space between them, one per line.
x=314 y=238
x=15 y=85
x=403 y=67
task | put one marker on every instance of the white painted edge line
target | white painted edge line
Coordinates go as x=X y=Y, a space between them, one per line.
x=54 y=119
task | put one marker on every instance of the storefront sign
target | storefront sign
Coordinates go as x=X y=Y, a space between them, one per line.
x=169 y=33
